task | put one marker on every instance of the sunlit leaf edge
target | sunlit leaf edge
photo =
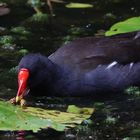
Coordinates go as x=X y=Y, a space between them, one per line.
x=129 y=25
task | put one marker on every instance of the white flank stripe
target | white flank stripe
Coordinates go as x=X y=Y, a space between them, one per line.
x=111 y=65
x=131 y=65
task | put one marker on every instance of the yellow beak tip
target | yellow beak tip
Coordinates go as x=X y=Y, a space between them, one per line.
x=17 y=99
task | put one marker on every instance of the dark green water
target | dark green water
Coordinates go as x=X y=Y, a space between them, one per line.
x=116 y=117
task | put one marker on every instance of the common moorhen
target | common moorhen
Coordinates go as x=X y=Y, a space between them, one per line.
x=84 y=67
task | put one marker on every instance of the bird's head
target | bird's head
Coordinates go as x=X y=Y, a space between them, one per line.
x=34 y=70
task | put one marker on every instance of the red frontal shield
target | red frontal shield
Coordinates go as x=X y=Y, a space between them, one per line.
x=23 y=76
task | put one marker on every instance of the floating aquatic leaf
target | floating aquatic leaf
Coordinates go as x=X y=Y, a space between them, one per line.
x=39 y=17
x=135 y=91
x=23 y=51
x=20 y=30
x=79 y=5
x=110 y=120
x=31 y=118
x=129 y=25
x=13 y=118
x=78 y=110
x=69 y=118
x=7 y=39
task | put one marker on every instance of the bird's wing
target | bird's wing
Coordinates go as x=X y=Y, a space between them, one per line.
x=88 y=53
x=79 y=55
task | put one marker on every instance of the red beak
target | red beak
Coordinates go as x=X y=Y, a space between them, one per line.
x=23 y=76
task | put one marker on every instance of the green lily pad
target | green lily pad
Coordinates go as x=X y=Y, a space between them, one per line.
x=78 y=110
x=79 y=5
x=31 y=118
x=13 y=118
x=69 y=118
x=129 y=25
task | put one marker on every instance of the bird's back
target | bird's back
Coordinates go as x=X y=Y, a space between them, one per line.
x=86 y=54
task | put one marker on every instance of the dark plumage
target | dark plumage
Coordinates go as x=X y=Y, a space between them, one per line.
x=86 y=66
